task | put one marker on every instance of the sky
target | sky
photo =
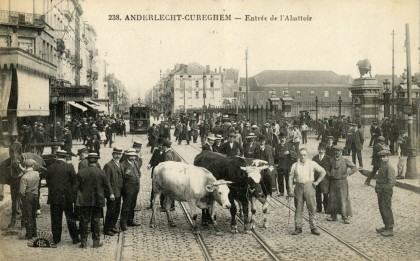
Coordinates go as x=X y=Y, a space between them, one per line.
x=340 y=33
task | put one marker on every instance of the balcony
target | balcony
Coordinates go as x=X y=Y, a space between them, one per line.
x=22 y=59
x=20 y=18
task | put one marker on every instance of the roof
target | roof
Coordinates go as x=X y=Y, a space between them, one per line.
x=252 y=83
x=193 y=69
x=268 y=77
x=231 y=74
x=381 y=78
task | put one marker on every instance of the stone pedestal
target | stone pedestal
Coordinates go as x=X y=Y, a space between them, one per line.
x=365 y=98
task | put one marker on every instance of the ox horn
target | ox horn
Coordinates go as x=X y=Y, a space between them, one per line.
x=222 y=182
x=21 y=167
x=257 y=162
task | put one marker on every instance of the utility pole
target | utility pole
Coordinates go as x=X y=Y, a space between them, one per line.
x=246 y=83
x=411 y=160
x=392 y=80
x=204 y=96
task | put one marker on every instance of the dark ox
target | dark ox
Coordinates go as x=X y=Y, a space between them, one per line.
x=187 y=183
x=245 y=180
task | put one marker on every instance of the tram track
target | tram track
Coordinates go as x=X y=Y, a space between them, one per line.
x=261 y=242
x=323 y=228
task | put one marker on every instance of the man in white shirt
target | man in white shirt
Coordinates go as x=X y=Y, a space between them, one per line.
x=302 y=174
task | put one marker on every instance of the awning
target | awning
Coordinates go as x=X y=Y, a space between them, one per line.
x=81 y=107
x=33 y=94
x=94 y=103
x=5 y=85
x=93 y=107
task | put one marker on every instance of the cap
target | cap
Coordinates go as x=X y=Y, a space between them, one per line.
x=29 y=163
x=251 y=135
x=62 y=154
x=117 y=150
x=82 y=150
x=136 y=144
x=381 y=138
x=92 y=155
x=232 y=135
x=338 y=147
x=384 y=153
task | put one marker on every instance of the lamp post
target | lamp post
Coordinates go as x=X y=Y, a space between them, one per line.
x=387 y=95
x=54 y=100
x=316 y=108
x=339 y=105
x=204 y=96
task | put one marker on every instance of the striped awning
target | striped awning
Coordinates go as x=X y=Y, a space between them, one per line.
x=76 y=105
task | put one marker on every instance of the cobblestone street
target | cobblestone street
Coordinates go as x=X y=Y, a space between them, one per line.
x=165 y=243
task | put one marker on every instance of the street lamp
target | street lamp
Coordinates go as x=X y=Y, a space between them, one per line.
x=387 y=95
x=54 y=100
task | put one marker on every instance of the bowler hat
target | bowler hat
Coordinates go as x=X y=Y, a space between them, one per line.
x=322 y=146
x=82 y=150
x=166 y=143
x=92 y=155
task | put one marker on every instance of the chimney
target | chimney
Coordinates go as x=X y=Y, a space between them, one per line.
x=220 y=69
x=207 y=69
x=215 y=70
x=185 y=69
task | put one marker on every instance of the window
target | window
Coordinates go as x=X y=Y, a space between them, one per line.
x=211 y=83
x=349 y=94
x=326 y=94
x=189 y=94
x=181 y=94
x=240 y=88
x=196 y=84
x=27 y=44
x=197 y=95
x=298 y=94
x=338 y=93
x=312 y=94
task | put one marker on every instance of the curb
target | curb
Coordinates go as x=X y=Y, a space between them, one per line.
x=399 y=184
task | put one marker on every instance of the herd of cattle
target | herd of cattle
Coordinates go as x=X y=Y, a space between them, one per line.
x=214 y=178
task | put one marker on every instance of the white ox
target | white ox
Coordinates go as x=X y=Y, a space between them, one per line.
x=187 y=183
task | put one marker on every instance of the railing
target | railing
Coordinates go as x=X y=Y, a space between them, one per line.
x=20 y=18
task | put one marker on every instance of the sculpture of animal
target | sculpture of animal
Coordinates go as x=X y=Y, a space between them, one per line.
x=364 y=67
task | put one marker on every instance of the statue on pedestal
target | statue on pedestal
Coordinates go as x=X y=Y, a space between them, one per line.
x=364 y=67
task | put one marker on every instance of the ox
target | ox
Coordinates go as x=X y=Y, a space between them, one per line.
x=186 y=183
x=364 y=67
x=246 y=180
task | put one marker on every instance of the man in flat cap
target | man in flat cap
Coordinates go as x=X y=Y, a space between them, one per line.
x=93 y=187
x=339 y=200
x=29 y=193
x=376 y=159
x=384 y=188
x=62 y=189
x=114 y=175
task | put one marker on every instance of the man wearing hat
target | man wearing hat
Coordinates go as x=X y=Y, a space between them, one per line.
x=154 y=161
x=94 y=131
x=62 y=189
x=217 y=146
x=265 y=152
x=339 y=200
x=208 y=144
x=250 y=145
x=93 y=187
x=204 y=130
x=114 y=175
x=376 y=159
x=321 y=191
x=167 y=155
x=131 y=187
x=84 y=163
x=29 y=193
x=284 y=157
x=356 y=140
x=384 y=188
x=16 y=158
x=404 y=152
x=68 y=140
x=375 y=132
x=138 y=161
x=232 y=147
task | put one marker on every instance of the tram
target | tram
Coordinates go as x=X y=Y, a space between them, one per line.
x=139 y=118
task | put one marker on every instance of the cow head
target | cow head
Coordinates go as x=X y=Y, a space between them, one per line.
x=254 y=172
x=220 y=191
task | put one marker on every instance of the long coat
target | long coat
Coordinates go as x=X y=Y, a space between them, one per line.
x=61 y=182
x=235 y=150
x=114 y=175
x=357 y=138
x=131 y=176
x=92 y=188
x=326 y=164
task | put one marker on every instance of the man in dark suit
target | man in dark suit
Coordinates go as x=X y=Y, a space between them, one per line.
x=131 y=187
x=356 y=141
x=250 y=145
x=265 y=152
x=167 y=155
x=68 y=141
x=321 y=191
x=218 y=146
x=62 y=185
x=285 y=155
x=93 y=186
x=114 y=175
x=232 y=147
x=154 y=161
x=208 y=144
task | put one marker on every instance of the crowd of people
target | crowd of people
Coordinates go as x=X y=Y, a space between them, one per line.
x=321 y=183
